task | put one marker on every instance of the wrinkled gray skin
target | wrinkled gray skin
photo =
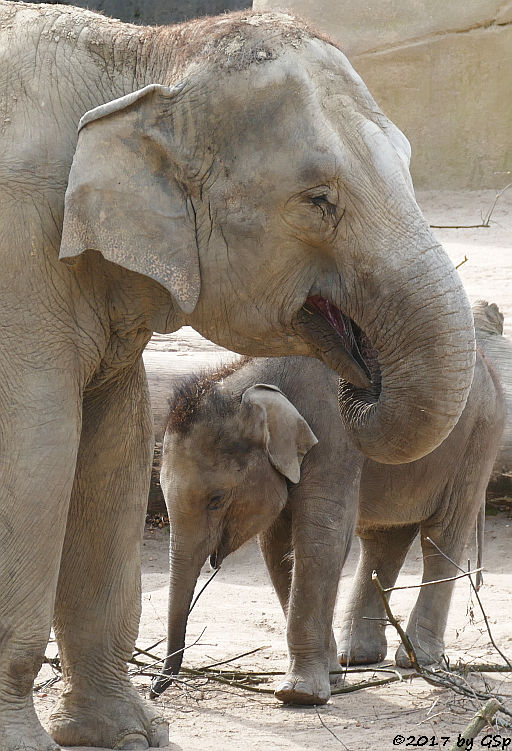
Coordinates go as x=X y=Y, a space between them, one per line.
x=244 y=456
x=223 y=172
x=440 y=496
x=225 y=480
x=498 y=348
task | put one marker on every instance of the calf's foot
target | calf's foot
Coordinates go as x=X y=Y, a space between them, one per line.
x=427 y=647
x=362 y=643
x=115 y=719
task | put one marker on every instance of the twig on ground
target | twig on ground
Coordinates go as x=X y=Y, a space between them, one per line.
x=236 y=684
x=329 y=729
x=47 y=683
x=54 y=662
x=232 y=659
x=434 y=581
x=475 y=590
x=498 y=195
x=162 y=659
x=485 y=223
x=465 y=260
x=482 y=718
x=482 y=668
x=147 y=651
x=371 y=684
x=403 y=636
x=459 y=226
x=437 y=676
x=196 y=598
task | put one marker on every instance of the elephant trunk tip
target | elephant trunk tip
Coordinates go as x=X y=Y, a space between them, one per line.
x=159 y=685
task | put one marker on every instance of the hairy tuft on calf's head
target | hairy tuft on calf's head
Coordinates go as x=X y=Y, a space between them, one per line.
x=198 y=395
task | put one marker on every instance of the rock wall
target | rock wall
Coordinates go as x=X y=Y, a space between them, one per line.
x=442 y=71
x=158 y=12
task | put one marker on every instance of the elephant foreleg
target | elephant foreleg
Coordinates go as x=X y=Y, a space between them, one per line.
x=322 y=531
x=99 y=598
x=362 y=638
x=39 y=433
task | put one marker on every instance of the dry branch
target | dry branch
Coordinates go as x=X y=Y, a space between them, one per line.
x=403 y=636
x=482 y=718
x=329 y=729
x=437 y=676
x=485 y=223
x=434 y=581
x=475 y=590
x=371 y=684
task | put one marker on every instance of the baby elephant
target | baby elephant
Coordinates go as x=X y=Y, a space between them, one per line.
x=259 y=448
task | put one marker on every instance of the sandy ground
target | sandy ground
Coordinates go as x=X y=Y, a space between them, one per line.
x=239 y=611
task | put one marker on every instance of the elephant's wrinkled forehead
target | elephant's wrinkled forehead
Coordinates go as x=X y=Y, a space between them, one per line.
x=280 y=127
x=207 y=456
x=302 y=111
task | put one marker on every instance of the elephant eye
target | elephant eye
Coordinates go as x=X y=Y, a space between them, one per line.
x=215 y=501
x=320 y=200
x=327 y=208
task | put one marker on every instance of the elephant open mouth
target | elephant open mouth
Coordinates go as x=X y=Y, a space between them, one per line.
x=356 y=359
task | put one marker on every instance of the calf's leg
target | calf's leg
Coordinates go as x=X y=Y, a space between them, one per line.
x=362 y=638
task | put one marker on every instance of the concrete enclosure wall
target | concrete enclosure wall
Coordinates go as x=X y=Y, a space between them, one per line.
x=441 y=70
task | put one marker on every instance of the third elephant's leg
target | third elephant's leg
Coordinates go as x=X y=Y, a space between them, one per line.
x=98 y=598
x=362 y=638
x=322 y=531
x=427 y=621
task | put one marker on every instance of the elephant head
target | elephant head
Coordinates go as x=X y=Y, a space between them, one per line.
x=271 y=198
x=225 y=466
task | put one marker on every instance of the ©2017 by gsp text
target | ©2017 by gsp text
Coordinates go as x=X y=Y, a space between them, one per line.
x=433 y=741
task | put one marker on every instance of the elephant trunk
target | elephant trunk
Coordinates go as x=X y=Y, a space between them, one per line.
x=423 y=351
x=184 y=572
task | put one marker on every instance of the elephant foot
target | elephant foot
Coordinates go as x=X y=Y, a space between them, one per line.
x=358 y=652
x=21 y=730
x=311 y=686
x=117 y=720
x=336 y=679
x=362 y=646
x=428 y=650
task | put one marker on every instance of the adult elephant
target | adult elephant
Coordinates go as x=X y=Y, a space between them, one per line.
x=233 y=174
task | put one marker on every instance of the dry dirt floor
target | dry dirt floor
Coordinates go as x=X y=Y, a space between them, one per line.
x=239 y=612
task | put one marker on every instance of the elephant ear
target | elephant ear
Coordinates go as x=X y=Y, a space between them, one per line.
x=124 y=196
x=288 y=437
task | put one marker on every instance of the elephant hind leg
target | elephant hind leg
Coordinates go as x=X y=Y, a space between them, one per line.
x=98 y=598
x=362 y=639
x=427 y=622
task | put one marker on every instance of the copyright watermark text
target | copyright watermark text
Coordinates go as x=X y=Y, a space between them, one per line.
x=433 y=741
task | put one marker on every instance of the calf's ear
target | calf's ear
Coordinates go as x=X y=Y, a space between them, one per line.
x=287 y=435
x=125 y=198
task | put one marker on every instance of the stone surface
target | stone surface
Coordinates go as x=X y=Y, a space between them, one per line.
x=442 y=71
x=159 y=12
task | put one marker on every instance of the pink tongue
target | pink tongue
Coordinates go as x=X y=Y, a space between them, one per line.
x=334 y=316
